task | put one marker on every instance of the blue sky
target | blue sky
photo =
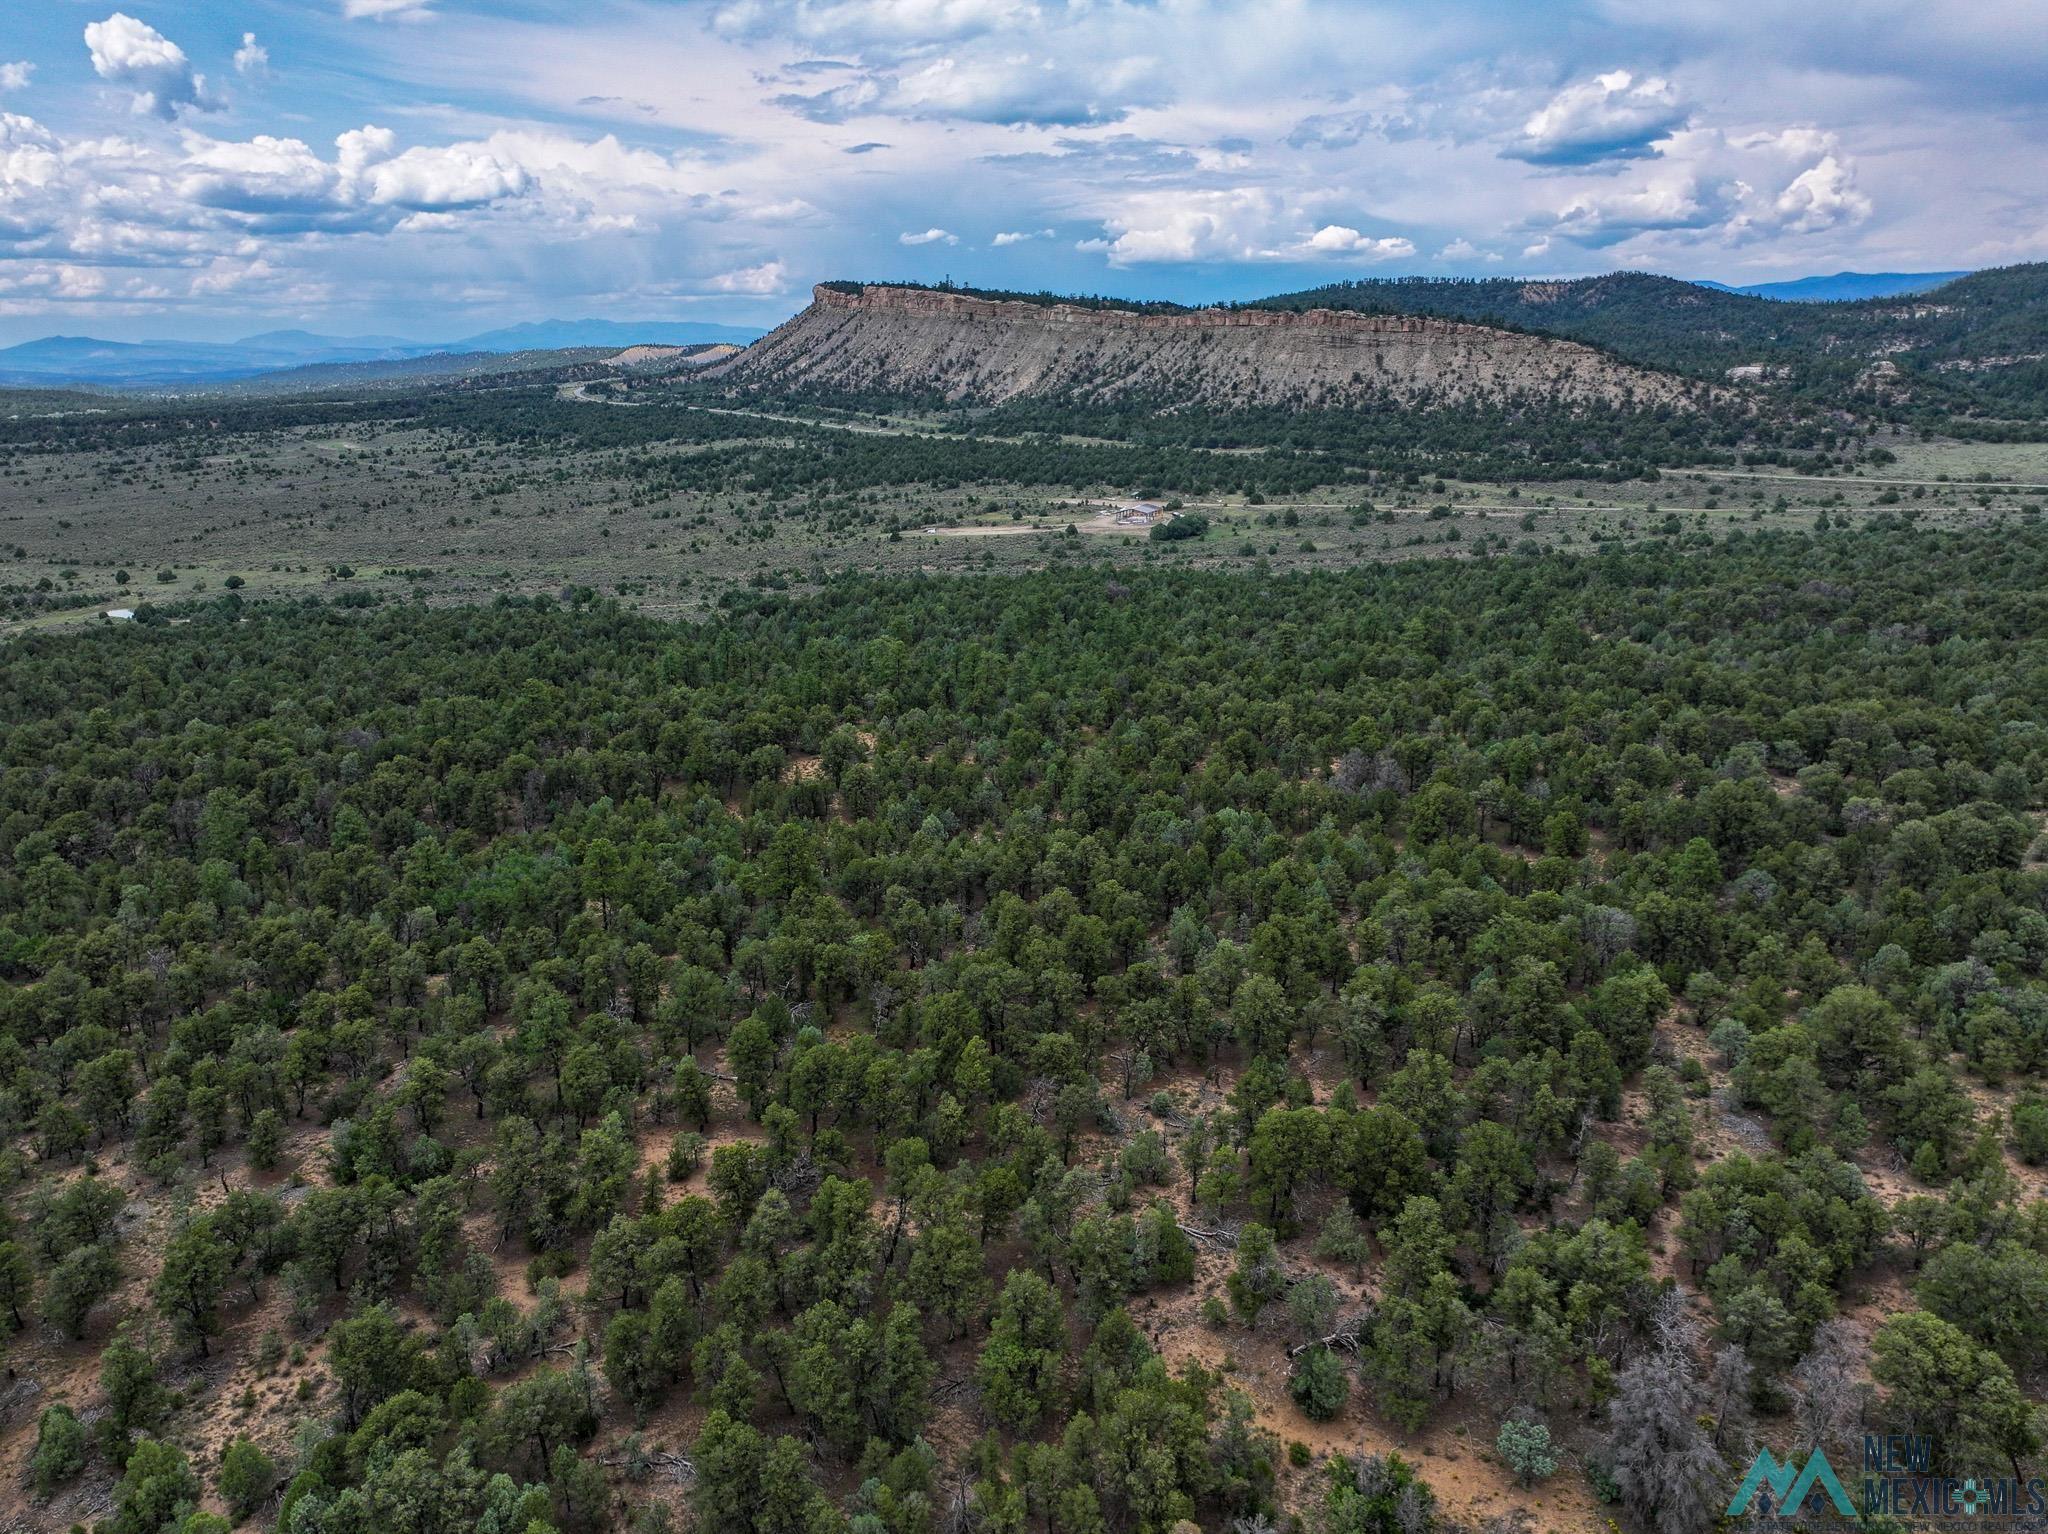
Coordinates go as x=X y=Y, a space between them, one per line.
x=207 y=168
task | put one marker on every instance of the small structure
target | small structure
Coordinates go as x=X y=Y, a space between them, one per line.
x=120 y=614
x=1140 y=514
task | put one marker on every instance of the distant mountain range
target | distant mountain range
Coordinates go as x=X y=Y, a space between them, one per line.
x=200 y=364
x=1842 y=286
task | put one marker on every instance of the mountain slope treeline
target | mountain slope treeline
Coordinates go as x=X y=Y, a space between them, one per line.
x=1974 y=346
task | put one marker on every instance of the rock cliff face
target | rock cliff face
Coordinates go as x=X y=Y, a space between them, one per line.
x=912 y=341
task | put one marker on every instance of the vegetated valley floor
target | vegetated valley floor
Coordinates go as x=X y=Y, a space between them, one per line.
x=1126 y=1037
x=462 y=512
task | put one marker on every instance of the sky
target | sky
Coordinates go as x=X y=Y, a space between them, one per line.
x=429 y=168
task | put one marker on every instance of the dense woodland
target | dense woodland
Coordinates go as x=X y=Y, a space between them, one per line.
x=864 y=1065
x=1975 y=348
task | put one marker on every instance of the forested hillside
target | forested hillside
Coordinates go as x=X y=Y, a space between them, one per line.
x=1974 y=347
x=1071 y=1052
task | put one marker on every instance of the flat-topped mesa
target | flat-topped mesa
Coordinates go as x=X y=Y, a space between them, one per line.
x=879 y=339
x=969 y=306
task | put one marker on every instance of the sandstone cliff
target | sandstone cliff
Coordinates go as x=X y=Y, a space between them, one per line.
x=914 y=341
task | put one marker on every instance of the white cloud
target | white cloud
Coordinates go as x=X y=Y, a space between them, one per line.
x=30 y=166
x=1609 y=117
x=455 y=176
x=1338 y=240
x=768 y=277
x=1230 y=225
x=1675 y=198
x=252 y=58
x=788 y=211
x=136 y=56
x=80 y=282
x=15 y=76
x=378 y=10
x=281 y=186
x=262 y=179
x=228 y=275
x=198 y=217
x=1820 y=197
x=359 y=146
x=1709 y=185
x=928 y=237
x=1020 y=87
x=1235 y=224
x=1312 y=133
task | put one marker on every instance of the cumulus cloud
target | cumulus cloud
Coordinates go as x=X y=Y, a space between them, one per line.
x=135 y=56
x=456 y=176
x=1232 y=224
x=280 y=188
x=278 y=222
x=1317 y=133
x=272 y=182
x=194 y=218
x=1339 y=240
x=15 y=76
x=356 y=148
x=1674 y=199
x=928 y=237
x=1614 y=116
x=789 y=210
x=1733 y=189
x=1820 y=197
x=30 y=166
x=768 y=277
x=252 y=58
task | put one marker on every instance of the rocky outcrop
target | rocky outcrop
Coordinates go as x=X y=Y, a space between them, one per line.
x=915 y=341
